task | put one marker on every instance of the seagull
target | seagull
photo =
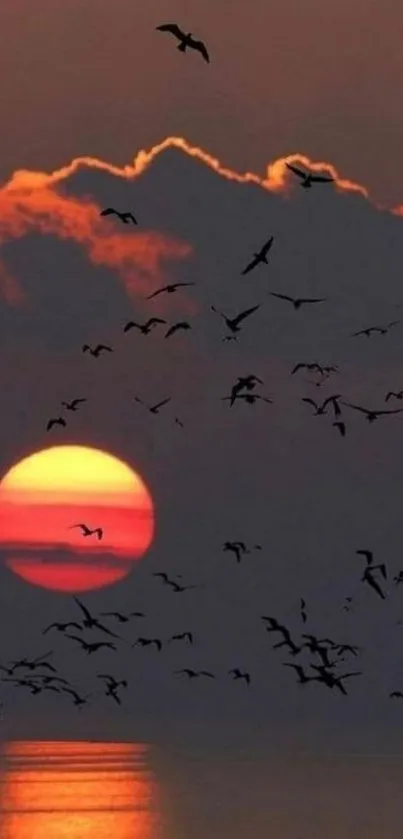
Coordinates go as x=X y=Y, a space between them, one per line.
x=237 y=549
x=154 y=409
x=90 y=648
x=303 y=610
x=398 y=395
x=371 y=416
x=124 y=217
x=313 y=366
x=233 y=323
x=320 y=409
x=86 y=531
x=260 y=256
x=396 y=694
x=61 y=627
x=182 y=636
x=56 y=421
x=381 y=329
x=145 y=328
x=239 y=674
x=307 y=178
x=77 y=700
x=146 y=642
x=249 y=382
x=73 y=405
x=96 y=351
x=185 y=39
x=182 y=324
x=169 y=289
x=90 y=622
x=369 y=556
x=193 y=674
x=298 y=301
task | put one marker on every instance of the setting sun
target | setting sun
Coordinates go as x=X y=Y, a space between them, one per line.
x=47 y=493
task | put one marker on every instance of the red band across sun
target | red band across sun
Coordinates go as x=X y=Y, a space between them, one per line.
x=48 y=492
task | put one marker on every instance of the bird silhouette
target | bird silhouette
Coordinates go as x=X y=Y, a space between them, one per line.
x=382 y=330
x=61 y=627
x=341 y=427
x=397 y=395
x=321 y=409
x=90 y=622
x=233 y=324
x=249 y=382
x=73 y=405
x=259 y=257
x=112 y=681
x=194 y=674
x=302 y=676
x=396 y=694
x=237 y=548
x=124 y=217
x=303 y=610
x=146 y=327
x=368 y=577
x=182 y=636
x=307 y=178
x=77 y=699
x=154 y=409
x=249 y=398
x=236 y=673
x=56 y=421
x=122 y=618
x=297 y=302
x=370 y=415
x=147 y=642
x=92 y=647
x=86 y=531
x=313 y=366
x=369 y=556
x=96 y=351
x=186 y=40
x=168 y=289
x=182 y=324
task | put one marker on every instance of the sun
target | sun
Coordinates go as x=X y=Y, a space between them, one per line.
x=44 y=495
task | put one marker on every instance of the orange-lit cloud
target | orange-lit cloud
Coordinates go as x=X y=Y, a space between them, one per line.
x=48 y=492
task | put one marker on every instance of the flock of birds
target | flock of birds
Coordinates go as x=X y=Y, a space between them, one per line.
x=321 y=658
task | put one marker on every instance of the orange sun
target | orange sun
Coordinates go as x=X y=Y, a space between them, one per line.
x=43 y=495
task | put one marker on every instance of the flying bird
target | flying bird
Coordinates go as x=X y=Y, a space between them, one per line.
x=302 y=676
x=236 y=673
x=297 y=302
x=237 y=548
x=96 y=351
x=193 y=674
x=259 y=257
x=341 y=426
x=398 y=395
x=86 y=531
x=168 y=289
x=61 y=627
x=370 y=415
x=182 y=636
x=249 y=398
x=303 y=610
x=56 y=421
x=154 y=409
x=233 y=323
x=307 y=178
x=90 y=622
x=147 y=642
x=381 y=329
x=146 y=327
x=186 y=40
x=182 y=324
x=93 y=647
x=249 y=382
x=369 y=578
x=396 y=694
x=73 y=405
x=77 y=699
x=124 y=217
x=321 y=409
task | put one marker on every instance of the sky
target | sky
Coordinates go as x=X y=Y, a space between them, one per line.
x=93 y=86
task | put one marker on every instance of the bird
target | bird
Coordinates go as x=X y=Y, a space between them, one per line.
x=396 y=694
x=237 y=548
x=92 y=623
x=177 y=587
x=186 y=40
x=77 y=699
x=56 y=421
x=398 y=395
x=122 y=618
x=182 y=636
x=96 y=351
x=303 y=610
x=112 y=681
x=249 y=382
x=61 y=627
x=370 y=415
x=318 y=647
x=233 y=323
x=169 y=289
x=193 y=674
x=154 y=409
x=381 y=329
x=341 y=649
x=163 y=576
x=369 y=556
x=124 y=217
x=302 y=676
x=331 y=680
x=73 y=405
x=93 y=647
x=369 y=578
x=249 y=398
x=86 y=531
x=239 y=674
x=398 y=578
x=311 y=366
x=182 y=324
x=341 y=426
x=260 y=256
x=33 y=665
x=146 y=642
x=307 y=178
x=146 y=327
x=297 y=302
x=320 y=409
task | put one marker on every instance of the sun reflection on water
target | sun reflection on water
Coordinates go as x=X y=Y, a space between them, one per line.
x=77 y=790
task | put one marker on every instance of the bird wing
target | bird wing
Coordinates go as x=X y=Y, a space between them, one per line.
x=266 y=247
x=372 y=582
x=49 y=666
x=164 y=402
x=173 y=28
x=105 y=629
x=282 y=296
x=81 y=605
x=171 y=330
x=312 y=299
x=357 y=408
x=395 y=411
x=103 y=347
x=76 y=638
x=200 y=47
x=151 y=321
x=296 y=171
x=310 y=401
x=155 y=293
x=255 y=261
x=245 y=314
x=321 y=179
x=108 y=211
